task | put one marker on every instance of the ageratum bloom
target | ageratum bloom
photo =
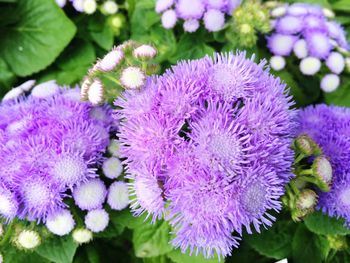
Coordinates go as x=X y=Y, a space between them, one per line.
x=314 y=38
x=212 y=12
x=51 y=144
x=329 y=126
x=207 y=148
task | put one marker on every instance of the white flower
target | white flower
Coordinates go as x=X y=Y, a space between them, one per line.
x=169 y=19
x=132 y=78
x=60 y=224
x=1 y=230
x=110 y=7
x=163 y=5
x=89 y=6
x=277 y=62
x=111 y=60
x=46 y=89
x=13 y=94
x=335 y=62
x=114 y=147
x=145 y=52
x=85 y=88
x=328 y=13
x=82 y=235
x=118 y=196
x=97 y=220
x=61 y=3
x=310 y=66
x=112 y=168
x=26 y=86
x=278 y=11
x=191 y=25
x=330 y=82
x=283 y=261
x=1 y=258
x=28 y=239
x=300 y=49
x=95 y=92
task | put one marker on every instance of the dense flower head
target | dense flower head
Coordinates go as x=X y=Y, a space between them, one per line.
x=50 y=143
x=211 y=11
x=313 y=37
x=329 y=126
x=207 y=147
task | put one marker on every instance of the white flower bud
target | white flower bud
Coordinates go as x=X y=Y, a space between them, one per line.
x=97 y=220
x=330 y=82
x=61 y=223
x=328 y=13
x=13 y=94
x=132 y=78
x=110 y=7
x=26 y=86
x=112 y=168
x=95 y=92
x=82 y=235
x=310 y=66
x=111 y=60
x=145 y=52
x=300 y=49
x=46 y=89
x=28 y=239
x=118 y=196
x=335 y=62
x=278 y=11
x=277 y=63
x=89 y=6
x=114 y=147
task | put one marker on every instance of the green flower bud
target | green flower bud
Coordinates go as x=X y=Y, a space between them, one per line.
x=337 y=242
x=305 y=204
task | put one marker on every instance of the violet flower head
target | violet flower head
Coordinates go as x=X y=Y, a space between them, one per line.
x=51 y=143
x=329 y=126
x=314 y=39
x=207 y=148
x=211 y=11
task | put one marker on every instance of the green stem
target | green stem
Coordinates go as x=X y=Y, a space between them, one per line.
x=306 y=172
x=8 y=233
x=299 y=158
x=112 y=79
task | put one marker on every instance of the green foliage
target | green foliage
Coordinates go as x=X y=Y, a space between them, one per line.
x=35 y=38
x=58 y=249
x=321 y=224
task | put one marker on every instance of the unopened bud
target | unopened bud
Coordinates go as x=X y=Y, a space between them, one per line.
x=145 y=52
x=82 y=236
x=305 y=145
x=132 y=78
x=96 y=92
x=27 y=239
x=322 y=169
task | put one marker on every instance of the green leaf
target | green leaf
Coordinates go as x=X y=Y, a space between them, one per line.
x=35 y=40
x=7 y=77
x=58 y=249
x=178 y=257
x=73 y=63
x=126 y=219
x=160 y=259
x=146 y=28
x=12 y=255
x=273 y=242
x=324 y=225
x=308 y=247
x=101 y=32
x=341 y=96
x=151 y=240
x=342 y=5
x=191 y=46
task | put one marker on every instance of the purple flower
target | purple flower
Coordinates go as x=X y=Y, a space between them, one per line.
x=207 y=147
x=329 y=126
x=212 y=11
x=51 y=143
x=313 y=37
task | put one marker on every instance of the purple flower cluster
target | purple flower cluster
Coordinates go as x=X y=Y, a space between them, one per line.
x=305 y=30
x=211 y=11
x=208 y=149
x=50 y=144
x=329 y=126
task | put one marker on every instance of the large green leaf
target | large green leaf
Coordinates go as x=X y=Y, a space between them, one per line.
x=324 y=225
x=178 y=257
x=342 y=5
x=58 y=249
x=12 y=255
x=275 y=241
x=308 y=247
x=39 y=34
x=152 y=240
